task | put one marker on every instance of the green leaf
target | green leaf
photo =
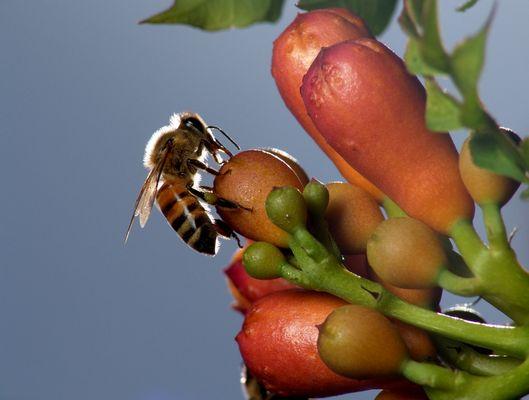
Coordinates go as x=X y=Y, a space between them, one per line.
x=442 y=110
x=474 y=117
x=212 y=15
x=376 y=13
x=498 y=153
x=407 y=24
x=415 y=63
x=431 y=45
x=468 y=59
x=414 y=10
x=524 y=148
x=465 y=6
x=525 y=194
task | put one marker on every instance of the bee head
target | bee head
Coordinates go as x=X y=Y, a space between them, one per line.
x=193 y=124
x=188 y=121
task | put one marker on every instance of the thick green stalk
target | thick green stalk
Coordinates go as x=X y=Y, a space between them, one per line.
x=508 y=386
x=496 y=233
x=326 y=273
x=458 y=285
x=392 y=209
x=469 y=359
x=505 y=284
x=430 y=375
x=468 y=242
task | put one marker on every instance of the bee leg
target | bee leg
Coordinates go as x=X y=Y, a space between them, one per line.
x=213 y=146
x=200 y=165
x=211 y=198
x=224 y=230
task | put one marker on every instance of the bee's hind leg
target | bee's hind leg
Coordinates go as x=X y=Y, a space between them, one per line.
x=224 y=230
x=208 y=195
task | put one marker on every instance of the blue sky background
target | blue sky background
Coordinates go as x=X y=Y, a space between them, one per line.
x=82 y=87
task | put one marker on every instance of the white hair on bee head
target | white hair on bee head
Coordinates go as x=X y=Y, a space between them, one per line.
x=149 y=157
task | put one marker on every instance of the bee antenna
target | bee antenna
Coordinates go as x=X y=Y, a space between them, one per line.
x=225 y=134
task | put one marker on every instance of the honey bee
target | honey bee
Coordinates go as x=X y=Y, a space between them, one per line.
x=173 y=155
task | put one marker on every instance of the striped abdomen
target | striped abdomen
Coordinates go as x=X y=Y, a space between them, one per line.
x=187 y=217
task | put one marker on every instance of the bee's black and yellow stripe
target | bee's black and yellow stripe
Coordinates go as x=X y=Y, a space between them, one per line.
x=187 y=217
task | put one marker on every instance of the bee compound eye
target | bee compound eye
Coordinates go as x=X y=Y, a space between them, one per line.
x=194 y=124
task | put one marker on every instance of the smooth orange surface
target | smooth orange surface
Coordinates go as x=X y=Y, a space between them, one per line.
x=294 y=51
x=278 y=343
x=246 y=289
x=292 y=163
x=352 y=215
x=247 y=179
x=371 y=111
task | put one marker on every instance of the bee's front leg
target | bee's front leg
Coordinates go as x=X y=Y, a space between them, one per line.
x=208 y=195
x=200 y=165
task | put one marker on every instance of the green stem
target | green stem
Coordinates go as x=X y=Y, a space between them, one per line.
x=505 y=284
x=468 y=359
x=426 y=374
x=468 y=242
x=458 y=285
x=329 y=275
x=392 y=209
x=496 y=233
x=321 y=231
x=502 y=339
x=508 y=386
x=294 y=275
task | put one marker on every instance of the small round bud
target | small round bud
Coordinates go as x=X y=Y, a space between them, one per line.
x=484 y=186
x=406 y=253
x=245 y=289
x=286 y=208
x=263 y=260
x=352 y=215
x=359 y=342
x=317 y=197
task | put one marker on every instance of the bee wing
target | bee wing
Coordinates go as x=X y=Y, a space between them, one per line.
x=147 y=195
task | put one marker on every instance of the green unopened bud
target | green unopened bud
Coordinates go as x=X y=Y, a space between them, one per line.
x=263 y=260
x=286 y=208
x=317 y=197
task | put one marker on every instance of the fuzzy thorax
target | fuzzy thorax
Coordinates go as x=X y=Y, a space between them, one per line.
x=185 y=142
